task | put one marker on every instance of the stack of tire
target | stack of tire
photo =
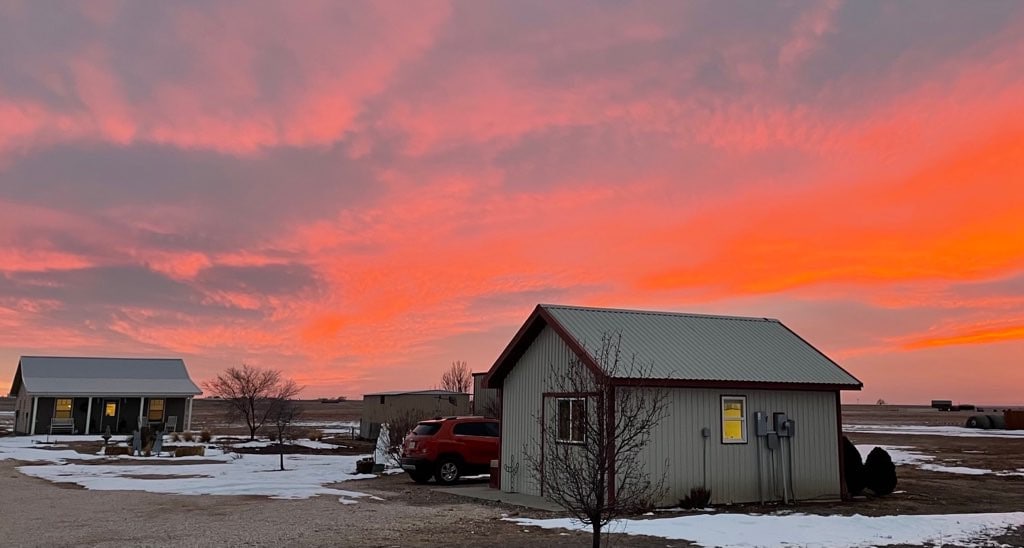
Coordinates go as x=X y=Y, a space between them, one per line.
x=986 y=422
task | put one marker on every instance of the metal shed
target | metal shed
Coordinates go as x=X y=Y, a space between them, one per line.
x=728 y=379
x=380 y=407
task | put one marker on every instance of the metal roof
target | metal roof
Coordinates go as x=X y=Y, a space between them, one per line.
x=69 y=376
x=704 y=348
x=418 y=393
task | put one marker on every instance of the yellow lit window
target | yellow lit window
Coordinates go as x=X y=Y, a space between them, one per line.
x=156 y=410
x=734 y=419
x=63 y=409
x=110 y=410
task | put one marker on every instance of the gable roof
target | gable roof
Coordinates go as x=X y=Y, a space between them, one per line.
x=685 y=349
x=69 y=376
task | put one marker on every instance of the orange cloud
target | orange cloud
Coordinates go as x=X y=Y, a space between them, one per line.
x=981 y=335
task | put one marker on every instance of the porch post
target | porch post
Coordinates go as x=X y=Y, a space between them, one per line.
x=88 y=416
x=188 y=423
x=142 y=406
x=35 y=407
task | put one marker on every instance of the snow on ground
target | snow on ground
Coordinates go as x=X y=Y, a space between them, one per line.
x=903 y=455
x=304 y=477
x=747 y=530
x=955 y=431
x=267 y=443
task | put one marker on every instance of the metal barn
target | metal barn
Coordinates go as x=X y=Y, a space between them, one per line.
x=753 y=410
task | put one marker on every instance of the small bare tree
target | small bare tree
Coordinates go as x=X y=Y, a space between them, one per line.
x=590 y=460
x=283 y=414
x=457 y=378
x=399 y=425
x=250 y=393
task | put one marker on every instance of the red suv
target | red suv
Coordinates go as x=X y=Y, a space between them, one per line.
x=449 y=448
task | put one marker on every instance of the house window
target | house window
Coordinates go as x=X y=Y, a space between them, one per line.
x=63 y=409
x=110 y=410
x=734 y=419
x=382 y=400
x=572 y=416
x=156 y=410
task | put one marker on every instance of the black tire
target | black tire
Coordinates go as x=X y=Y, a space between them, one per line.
x=448 y=471
x=420 y=477
x=979 y=421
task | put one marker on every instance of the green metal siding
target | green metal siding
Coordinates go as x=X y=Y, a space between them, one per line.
x=521 y=408
x=732 y=468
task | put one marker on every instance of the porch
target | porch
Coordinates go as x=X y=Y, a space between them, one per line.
x=95 y=414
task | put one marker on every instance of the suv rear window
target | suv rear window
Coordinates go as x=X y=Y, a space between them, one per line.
x=489 y=429
x=426 y=429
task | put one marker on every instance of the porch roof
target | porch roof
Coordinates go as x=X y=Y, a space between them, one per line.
x=81 y=376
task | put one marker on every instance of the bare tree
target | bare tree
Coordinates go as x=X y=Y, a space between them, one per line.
x=457 y=378
x=283 y=414
x=250 y=393
x=589 y=462
x=399 y=424
x=490 y=409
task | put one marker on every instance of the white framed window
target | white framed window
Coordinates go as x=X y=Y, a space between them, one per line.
x=572 y=417
x=734 y=419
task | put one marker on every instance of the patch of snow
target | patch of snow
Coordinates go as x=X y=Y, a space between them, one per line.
x=305 y=475
x=746 y=530
x=955 y=431
x=901 y=455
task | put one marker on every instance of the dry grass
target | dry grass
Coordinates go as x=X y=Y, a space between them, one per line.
x=315 y=435
x=187 y=436
x=190 y=452
x=112 y=450
x=205 y=436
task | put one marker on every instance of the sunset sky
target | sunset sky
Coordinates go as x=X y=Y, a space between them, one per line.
x=359 y=194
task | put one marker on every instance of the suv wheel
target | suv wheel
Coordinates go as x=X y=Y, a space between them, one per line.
x=448 y=471
x=420 y=477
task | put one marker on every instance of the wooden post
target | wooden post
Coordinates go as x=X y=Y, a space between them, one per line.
x=35 y=408
x=88 y=416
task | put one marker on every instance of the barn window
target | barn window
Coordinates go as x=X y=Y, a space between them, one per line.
x=63 y=409
x=156 y=410
x=572 y=416
x=734 y=419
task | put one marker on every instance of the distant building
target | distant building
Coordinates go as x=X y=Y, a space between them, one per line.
x=81 y=395
x=380 y=407
x=485 y=400
x=722 y=374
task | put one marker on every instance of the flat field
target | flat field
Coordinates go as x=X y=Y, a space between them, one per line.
x=943 y=469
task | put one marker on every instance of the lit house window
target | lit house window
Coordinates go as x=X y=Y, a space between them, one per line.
x=156 y=410
x=63 y=409
x=734 y=419
x=110 y=410
x=572 y=416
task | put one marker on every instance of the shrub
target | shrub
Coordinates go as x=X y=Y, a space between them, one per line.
x=205 y=436
x=175 y=436
x=187 y=436
x=272 y=436
x=699 y=497
x=112 y=450
x=853 y=468
x=879 y=472
x=316 y=435
x=195 y=451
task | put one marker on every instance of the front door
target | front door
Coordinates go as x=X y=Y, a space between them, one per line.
x=111 y=413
